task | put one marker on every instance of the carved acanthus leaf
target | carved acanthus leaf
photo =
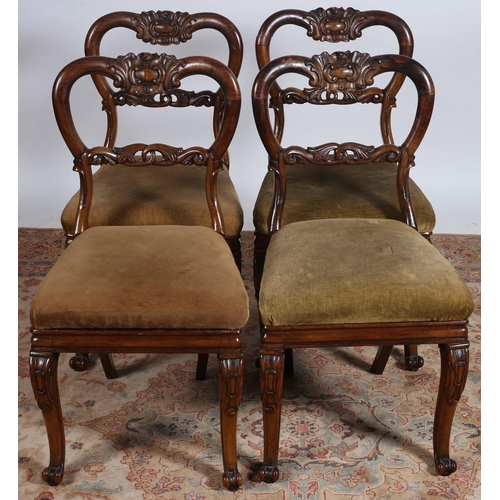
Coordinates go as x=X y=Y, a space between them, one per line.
x=153 y=80
x=164 y=27
x=335 y=24
x=340 y=77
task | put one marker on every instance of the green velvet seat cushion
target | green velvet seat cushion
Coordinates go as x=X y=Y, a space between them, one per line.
x=341 y=191
x=342 y=271
x=152 y=195
x=145 y=277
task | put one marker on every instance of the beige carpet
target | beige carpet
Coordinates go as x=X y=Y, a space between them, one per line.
x=153 y=433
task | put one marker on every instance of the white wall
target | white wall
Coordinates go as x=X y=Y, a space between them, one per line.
x=447 y=42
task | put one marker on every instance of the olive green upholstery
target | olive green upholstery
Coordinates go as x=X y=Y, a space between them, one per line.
x=332 y=191
x=156 y=195
x=143 y=277
x=343 y=271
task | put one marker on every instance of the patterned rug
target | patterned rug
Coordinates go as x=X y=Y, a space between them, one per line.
x=153 y=432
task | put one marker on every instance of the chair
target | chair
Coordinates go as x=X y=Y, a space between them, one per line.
x=155 y=195
x=354 y=281
x=337 y=190
x=147 y=288
x=158 y=195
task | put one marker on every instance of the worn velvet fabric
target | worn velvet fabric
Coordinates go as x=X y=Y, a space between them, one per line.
x=341 y=191
x=152 y=195
x=339 y=271
x=143 y=277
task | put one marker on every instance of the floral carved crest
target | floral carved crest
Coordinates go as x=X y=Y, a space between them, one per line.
x=153 y=80
x=164 y=27
x=342 y=77
x=335 y=24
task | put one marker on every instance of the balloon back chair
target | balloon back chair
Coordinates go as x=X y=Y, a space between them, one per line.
x=143 y=288
x=354 y=281
x=329 y=191
x=154 y=195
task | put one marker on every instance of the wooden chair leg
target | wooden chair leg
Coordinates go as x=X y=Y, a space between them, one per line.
x=261 y=242
x=454 y=369
x=43 y=373
x=79 y=362
x=271 y=392
x=201 y=367
x=288 y=362
x=381 y=358
x=412 y=359
x=230 y=392
x=108 y=365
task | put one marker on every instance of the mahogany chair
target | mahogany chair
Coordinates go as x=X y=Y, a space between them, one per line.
x=155 y=195
x=143 y=288
x=331 y=191
x=354 y=281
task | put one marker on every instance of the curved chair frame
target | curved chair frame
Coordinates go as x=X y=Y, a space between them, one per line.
x=163 y=28
x=47 y=342
x=451 y=336
x=333 y=25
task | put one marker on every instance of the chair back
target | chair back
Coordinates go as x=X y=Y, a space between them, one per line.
x=155 y=81
x=164 y=28
x=343 y=78
x=334 y=25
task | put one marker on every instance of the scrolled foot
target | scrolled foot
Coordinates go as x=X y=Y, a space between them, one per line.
x=53 y=475
x=79 y=362
x=414 y=362
x=269 y=474
x=445 y=466
x=232 y=480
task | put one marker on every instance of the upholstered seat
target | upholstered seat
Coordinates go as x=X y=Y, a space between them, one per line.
x=168 y=277
x=359 y=191
x=156 y=195
x=340 y=271
x=143 y=288
x=350 y=281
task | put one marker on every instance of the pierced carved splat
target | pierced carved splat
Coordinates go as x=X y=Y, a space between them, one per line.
x=340 y=77
x=160 y=154
x=152 y=80
x=164 y=27
x=335 y=24
x=348 y=153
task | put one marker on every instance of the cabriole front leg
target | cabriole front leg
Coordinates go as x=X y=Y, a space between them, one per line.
x=230 y=391
x=271 y=392
x=43 y=372
x=454 y=370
